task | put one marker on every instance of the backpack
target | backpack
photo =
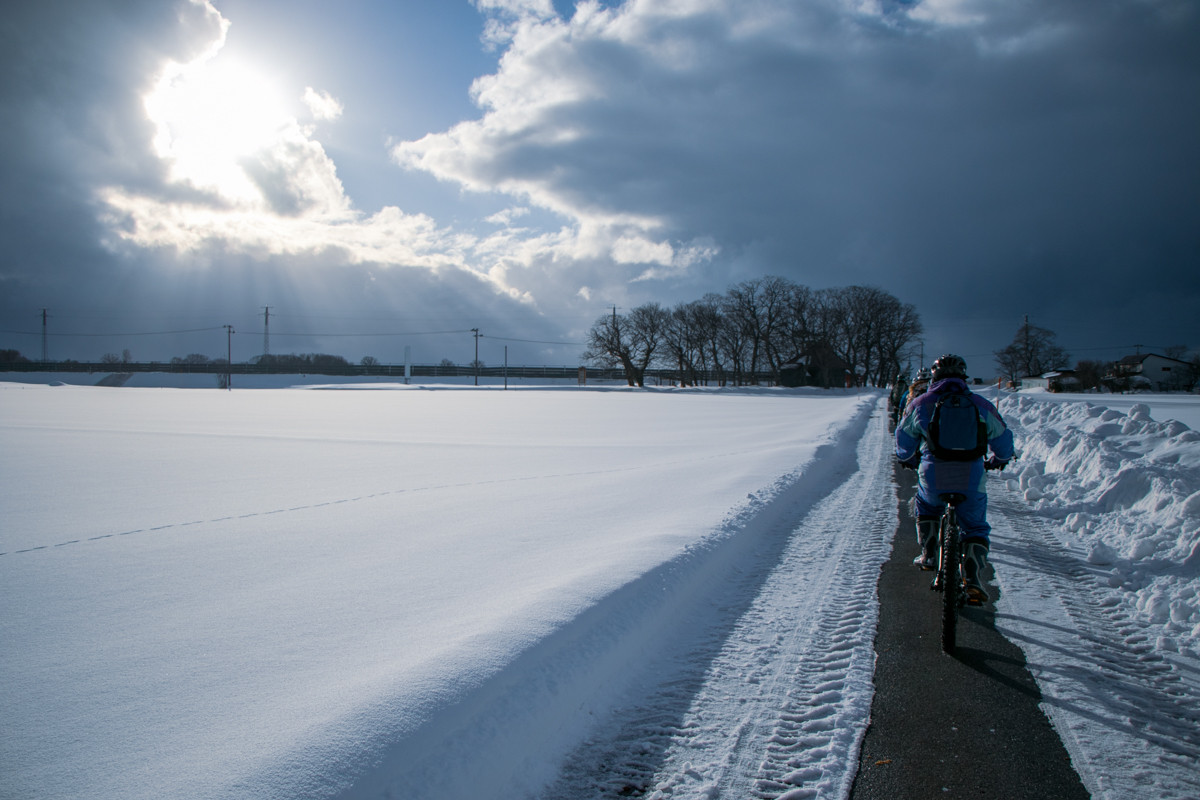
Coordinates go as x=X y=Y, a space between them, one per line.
x=956 y=431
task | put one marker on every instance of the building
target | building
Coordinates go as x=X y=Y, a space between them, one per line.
x=819 y=366
x=1062 y=380
x=1154 y=372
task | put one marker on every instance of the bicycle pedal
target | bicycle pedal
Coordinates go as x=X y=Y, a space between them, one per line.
x=975 y=597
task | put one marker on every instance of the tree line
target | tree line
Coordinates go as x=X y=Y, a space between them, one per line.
x=1034 y=351
x=764 y=325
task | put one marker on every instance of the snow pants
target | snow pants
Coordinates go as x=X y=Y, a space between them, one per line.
x=935 y=478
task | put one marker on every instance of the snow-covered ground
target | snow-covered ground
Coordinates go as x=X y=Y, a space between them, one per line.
x=1096 y=545
x=1181 y=407
x=282 y=593
x=453 y=592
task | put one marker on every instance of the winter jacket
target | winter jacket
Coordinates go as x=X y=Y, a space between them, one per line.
x=912 y=437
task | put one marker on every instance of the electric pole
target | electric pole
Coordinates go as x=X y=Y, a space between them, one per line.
x=228 y=357
x=476 y=332
x=45 y=357
x=266 y=330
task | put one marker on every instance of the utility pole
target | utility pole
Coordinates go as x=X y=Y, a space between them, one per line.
x=476 y=332
x=45 y=357
x=266 y=330
x=228 y=357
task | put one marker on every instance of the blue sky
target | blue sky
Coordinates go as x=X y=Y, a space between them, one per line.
x=405 y=169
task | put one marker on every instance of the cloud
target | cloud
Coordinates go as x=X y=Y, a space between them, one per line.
x=322 y=105
x=244 y=174
x=1001 y=156
x=811 y=138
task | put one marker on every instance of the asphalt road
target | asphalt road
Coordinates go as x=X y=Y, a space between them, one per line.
x=961 y=726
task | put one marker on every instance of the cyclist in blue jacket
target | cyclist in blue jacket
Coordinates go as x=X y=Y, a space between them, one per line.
x=914 y=448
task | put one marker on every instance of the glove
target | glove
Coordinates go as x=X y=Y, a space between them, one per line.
x=995 y=463
x=911 y=463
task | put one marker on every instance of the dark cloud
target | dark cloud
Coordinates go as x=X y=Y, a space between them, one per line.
x=1042 y=159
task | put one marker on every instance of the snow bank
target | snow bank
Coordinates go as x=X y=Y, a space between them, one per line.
x=1129 y=488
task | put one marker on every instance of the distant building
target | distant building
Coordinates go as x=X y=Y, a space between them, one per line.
x=1063 y=380
x=1154 y=372
x=818 y=366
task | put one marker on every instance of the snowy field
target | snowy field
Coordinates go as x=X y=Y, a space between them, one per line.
x=451 y=592
x=277 y=593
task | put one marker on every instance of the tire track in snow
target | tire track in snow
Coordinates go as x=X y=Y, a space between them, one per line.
x=781 y=709
x=1128 y=713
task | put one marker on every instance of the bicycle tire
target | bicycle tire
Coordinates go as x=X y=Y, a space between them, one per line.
x=950 y=579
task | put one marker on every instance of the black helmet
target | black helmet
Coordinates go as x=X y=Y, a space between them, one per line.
x=949 y=366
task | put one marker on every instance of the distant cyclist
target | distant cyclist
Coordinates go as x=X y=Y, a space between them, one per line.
x=923 y=442
x=918 y=387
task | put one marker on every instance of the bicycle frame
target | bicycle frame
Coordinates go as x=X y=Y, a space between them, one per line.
x=949 y=578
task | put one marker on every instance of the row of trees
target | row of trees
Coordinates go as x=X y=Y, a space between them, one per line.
x=759 y=326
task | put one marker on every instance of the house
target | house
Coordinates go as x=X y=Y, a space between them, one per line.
x=1062 y=380
x=818 y=366
x=1152 y=371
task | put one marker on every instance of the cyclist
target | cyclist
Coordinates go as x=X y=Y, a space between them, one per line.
x=918 y=387
x=897 y=399
x=915 y=449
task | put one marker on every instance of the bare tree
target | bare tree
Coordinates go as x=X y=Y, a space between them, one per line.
x=684 y=342
x=899 y=328
x=1032 y=352
x=1090 y=374
x=709 y=322
x=633 y=341
x=799 y=331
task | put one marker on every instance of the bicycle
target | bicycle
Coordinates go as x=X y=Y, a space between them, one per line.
x=950 y=579
x=949 y=576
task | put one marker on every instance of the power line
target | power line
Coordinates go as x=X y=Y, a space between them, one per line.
x=100 y=335
x=535 y=341
x=340 y=335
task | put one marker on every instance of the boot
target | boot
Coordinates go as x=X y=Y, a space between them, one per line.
x=927 y=538
x=974 y=562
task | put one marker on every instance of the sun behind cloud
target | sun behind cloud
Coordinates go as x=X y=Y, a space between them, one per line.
x=210 y=114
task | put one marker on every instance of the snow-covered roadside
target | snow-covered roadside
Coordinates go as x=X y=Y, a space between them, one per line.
x=1097 y=551
x=772 y=695
x=1163 y=407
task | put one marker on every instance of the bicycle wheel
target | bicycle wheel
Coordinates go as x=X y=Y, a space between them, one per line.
x=950 y=579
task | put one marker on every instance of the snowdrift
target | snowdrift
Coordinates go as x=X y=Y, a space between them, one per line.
x=1129 y=488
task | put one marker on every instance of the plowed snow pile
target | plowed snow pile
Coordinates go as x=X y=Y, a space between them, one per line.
x=1095 y=543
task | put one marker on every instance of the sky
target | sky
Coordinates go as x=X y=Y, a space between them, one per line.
x=370 y=177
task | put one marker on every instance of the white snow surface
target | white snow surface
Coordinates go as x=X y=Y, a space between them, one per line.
x=299 y=593
x=1096 y=545
x=462 y=592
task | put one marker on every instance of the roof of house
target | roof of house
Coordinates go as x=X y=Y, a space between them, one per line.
x=1139 y=358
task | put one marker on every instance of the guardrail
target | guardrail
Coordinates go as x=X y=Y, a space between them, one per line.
x=374 y=370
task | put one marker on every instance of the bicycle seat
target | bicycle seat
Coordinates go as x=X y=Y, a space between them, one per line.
x=953 y=498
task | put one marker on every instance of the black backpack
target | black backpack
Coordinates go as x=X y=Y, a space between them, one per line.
x=956 y=431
